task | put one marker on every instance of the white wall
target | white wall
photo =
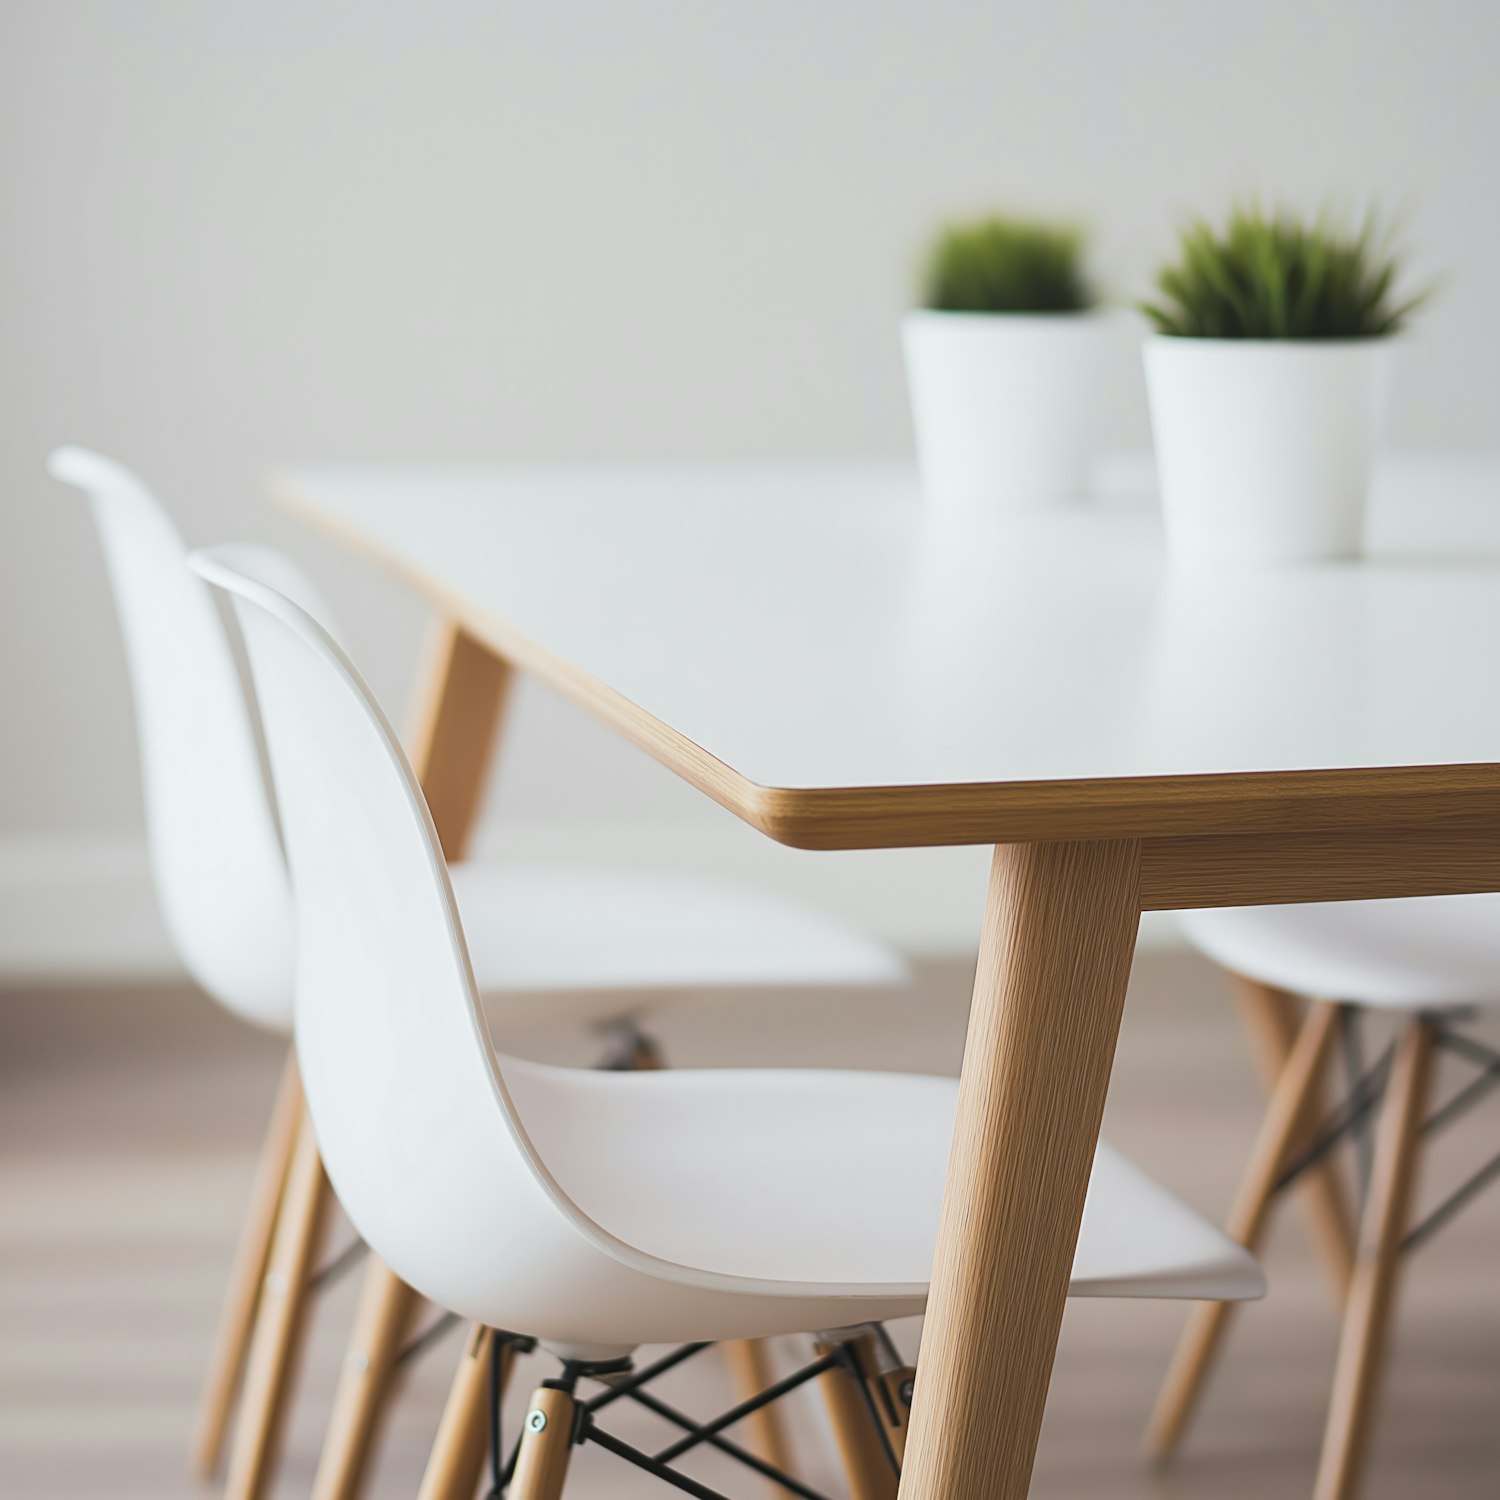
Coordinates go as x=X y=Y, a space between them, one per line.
x=239 y=235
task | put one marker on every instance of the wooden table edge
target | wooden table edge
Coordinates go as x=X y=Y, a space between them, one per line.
x=1292 y=809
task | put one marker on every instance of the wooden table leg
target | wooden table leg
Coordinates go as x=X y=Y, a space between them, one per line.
x=1054 y=959
x=456 y=721
x=1271 y=1018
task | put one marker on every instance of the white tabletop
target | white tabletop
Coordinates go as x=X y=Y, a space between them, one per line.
x=811 y=627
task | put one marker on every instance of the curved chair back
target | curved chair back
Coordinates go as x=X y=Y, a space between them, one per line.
x=216 y=855
x=419 y=1132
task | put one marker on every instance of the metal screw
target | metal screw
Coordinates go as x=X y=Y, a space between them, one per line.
x=905 y=1392
x=536 y=1421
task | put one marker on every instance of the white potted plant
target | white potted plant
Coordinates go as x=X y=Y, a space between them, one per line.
x=1267 y=376
x=1005 y=364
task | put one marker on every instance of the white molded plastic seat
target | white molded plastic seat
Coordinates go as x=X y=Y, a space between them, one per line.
x=590 y=1210
x=1415 y=953
x=581 y=944
x=774 y=1190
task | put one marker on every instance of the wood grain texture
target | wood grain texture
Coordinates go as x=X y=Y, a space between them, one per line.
x=462 y=1442
x=1283 y=1127
x=454 y=724
x=387 y=1307
x=1272 y=1019
x=542 y=1466
x=270 y=1374
x=236 y=1321
x=1059 y=933
x=1372 y=1297
x=881 y=817
x=1351 y=865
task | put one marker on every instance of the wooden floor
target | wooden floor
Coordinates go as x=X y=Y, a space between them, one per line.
x=127 y=1127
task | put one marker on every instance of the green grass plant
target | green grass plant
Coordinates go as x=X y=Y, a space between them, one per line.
x=1280 y=276
x=1003 y=264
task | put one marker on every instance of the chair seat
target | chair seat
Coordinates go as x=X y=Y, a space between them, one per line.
x=1426 y=952
x=612 y=939
x=828 y=1182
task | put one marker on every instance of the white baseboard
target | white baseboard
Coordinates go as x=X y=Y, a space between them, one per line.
x=77 y=908
x=80 y=908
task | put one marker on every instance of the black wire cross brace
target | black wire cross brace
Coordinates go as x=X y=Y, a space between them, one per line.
x=586 y=1427
x=1364 y=1095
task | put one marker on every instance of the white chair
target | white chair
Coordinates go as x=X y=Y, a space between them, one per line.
x=1427 y=960
x=596 y=1212
x=576 y=945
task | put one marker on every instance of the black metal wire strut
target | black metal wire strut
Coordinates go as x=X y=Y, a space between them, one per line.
x=586 y=1428
x=745 y=1408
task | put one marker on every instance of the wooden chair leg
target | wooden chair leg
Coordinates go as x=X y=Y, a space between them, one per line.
x=458 y=1452
x=546 y=1445
x=1377 y=1273
x=750 y=1372
x=1271 y=1018
x=386 y=1309
x=237 y=1318
x=1280 y=1133
x=271 y=1369
x=866 y=1465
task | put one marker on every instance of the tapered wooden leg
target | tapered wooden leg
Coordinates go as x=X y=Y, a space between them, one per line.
x=866 y=1465
x=1280 y=1134
x=750 y=1372
x=1377 y=1272
x=454 y=724
x=458 y=1452
x=1271 y=1018
x=270 y=1374
x=232 y=1340
x=387 y=1307
x=546 y=1444
x=1059 y=934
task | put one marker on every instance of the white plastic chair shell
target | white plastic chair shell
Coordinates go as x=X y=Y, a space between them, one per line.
x=216 y=858
x=1414 y=953
x=593 y=1210
x=557 y=944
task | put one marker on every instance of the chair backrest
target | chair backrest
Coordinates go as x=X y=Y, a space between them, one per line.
x=216 y=855
x=416 y=1118
x=416 y=1127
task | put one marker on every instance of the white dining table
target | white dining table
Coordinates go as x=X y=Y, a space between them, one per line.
x=829 y=659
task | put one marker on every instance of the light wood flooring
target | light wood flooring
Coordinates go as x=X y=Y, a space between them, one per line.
x=128 y=1122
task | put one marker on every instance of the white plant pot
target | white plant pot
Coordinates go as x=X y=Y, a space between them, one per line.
x=1004 y=405
x=1263 y=446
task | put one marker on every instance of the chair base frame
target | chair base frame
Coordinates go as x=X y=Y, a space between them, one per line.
x=885 y=1396
x=1369 y=1095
